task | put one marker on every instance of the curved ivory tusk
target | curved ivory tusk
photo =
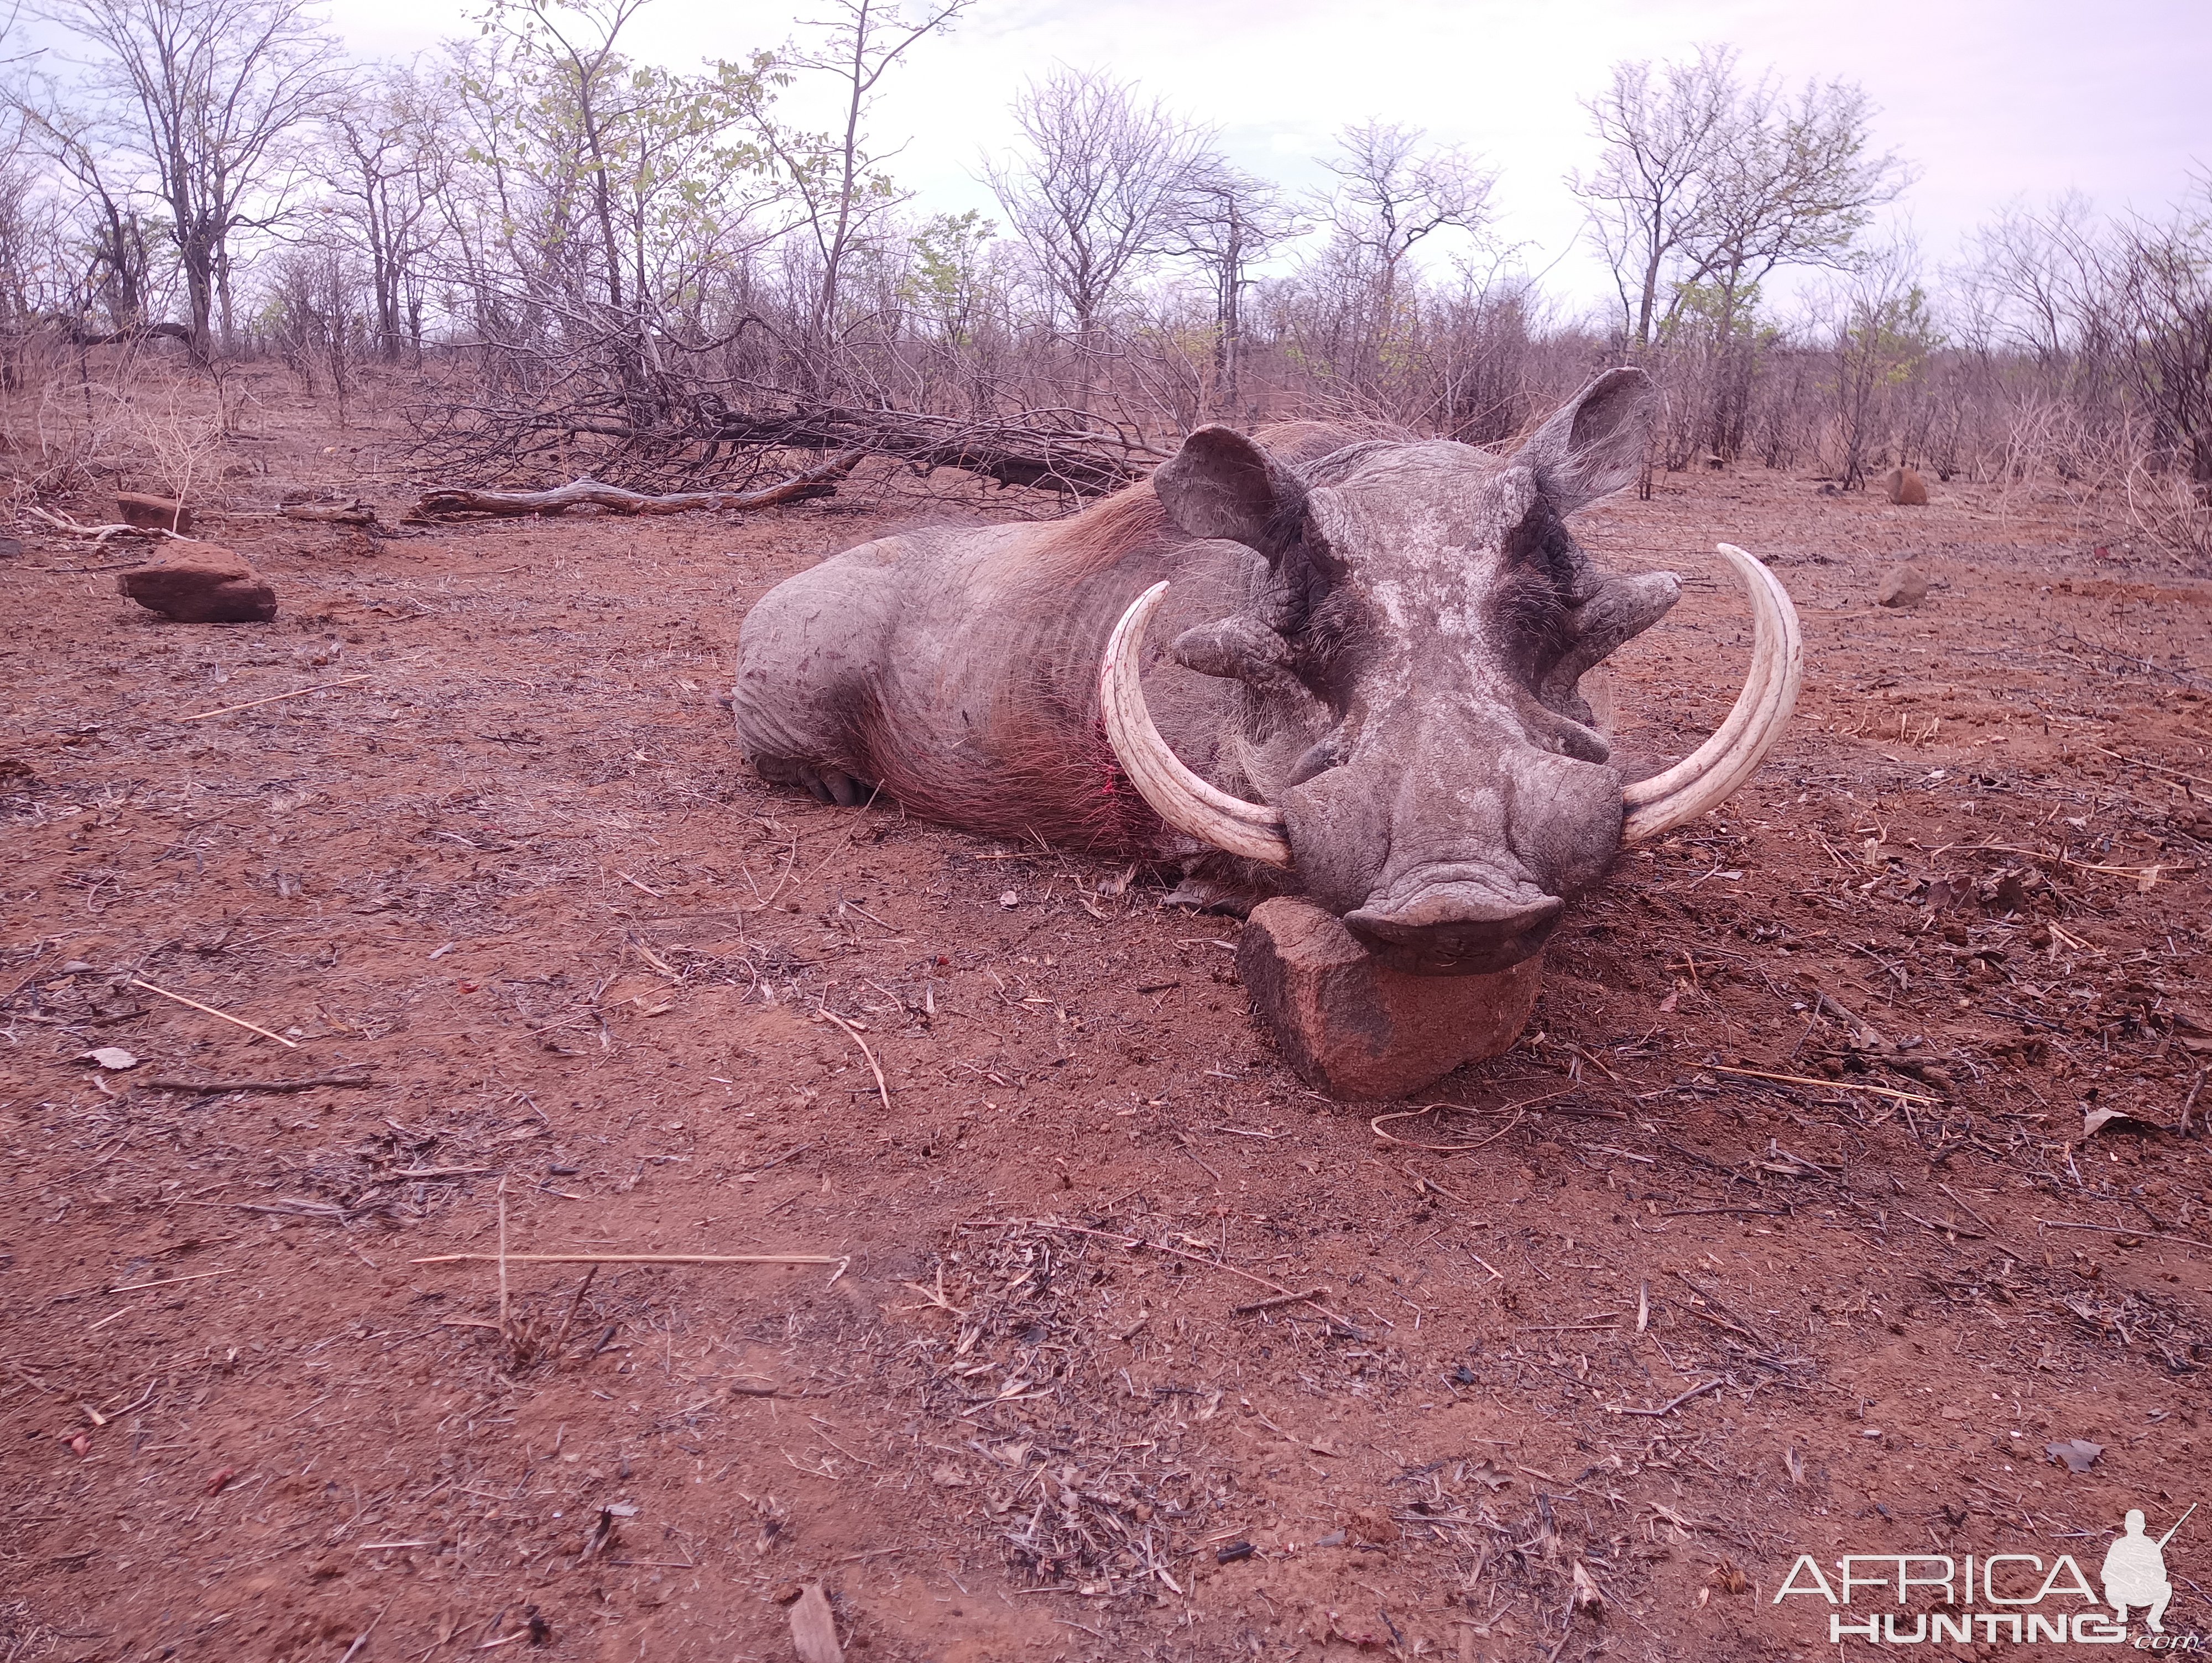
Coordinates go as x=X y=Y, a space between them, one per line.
x=1178 y=796
x=1707 y=777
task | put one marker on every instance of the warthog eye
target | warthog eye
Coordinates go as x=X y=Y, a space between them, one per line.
x=1531 y=609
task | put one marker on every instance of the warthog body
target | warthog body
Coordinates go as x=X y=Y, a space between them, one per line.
x=1367 y=649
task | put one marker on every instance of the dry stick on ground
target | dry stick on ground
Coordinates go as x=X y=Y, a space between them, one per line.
x=1316 y=1295
x=502 y=1256
x=582 y=1288
x=854 y=1034
x=2158 y=767
x=636 y=1258
x=817 y=481
x=1670 y=1407
x=218 y=1088
x=202 y=715
x=2124 y=1230
x=1994 y=1234
x=1130 y=1243
x=1831 y=1085
x=235 y=1022
x=101 y=533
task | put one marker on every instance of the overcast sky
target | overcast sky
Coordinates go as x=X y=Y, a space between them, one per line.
x=1990 y=100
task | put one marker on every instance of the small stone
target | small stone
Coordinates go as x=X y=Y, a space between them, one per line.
x=1360 y=1030
x=10 y=547
x=1906 y=585
x=205 y=584
x=154 y=513
x=1906 y=487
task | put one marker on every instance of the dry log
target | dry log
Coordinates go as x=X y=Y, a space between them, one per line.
x=820 y=480
x=153 y=513
x=332 y=514
x=1046 y=450
x=77 y=334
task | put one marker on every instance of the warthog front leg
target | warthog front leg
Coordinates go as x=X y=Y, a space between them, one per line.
x=827 y=784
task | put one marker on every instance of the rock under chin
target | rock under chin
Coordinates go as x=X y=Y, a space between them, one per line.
x=1360 y=1029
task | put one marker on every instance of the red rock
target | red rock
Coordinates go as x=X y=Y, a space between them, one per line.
x=202 y=583
x=155 y=513
x=1360 y=1030
x=1906 y=487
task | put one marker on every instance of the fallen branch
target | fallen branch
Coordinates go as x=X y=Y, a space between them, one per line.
x=817 y=481
x=100 y=534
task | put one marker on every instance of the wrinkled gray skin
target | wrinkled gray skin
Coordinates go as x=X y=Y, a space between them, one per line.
x=1380 y=638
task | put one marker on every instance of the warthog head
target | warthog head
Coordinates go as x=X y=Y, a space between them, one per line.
x=1410 y=719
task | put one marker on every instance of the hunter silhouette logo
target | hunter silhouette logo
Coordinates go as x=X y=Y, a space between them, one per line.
x=2135 y=1570
x=1996 y=1599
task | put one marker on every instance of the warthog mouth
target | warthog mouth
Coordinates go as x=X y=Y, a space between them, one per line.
x=1445 y=924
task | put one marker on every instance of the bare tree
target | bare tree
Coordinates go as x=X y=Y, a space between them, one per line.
x=1794 y=184
x=1101 y=194
x=114 y=267
x=1228 y=222
x=1392 y=194
x=205 y=96
x=844 y=199
x=1701 y=179
x=1882 y=340
x=393 y=165
x=1645 y=197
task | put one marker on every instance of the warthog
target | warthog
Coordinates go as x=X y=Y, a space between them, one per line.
x=1341 y=668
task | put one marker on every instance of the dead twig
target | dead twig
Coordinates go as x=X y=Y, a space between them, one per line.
x=219 y=1088
x=208 y=1009
x=2124 y=1230
x=561 y=1333
x=635 y=1259
x=1831 y=1085
x=202 y=715
x=1669 y=1407
x=854 y=1034
x=1315 y=1295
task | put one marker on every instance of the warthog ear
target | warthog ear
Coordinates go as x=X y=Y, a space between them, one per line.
x=1591 y=446
x=1220 y=484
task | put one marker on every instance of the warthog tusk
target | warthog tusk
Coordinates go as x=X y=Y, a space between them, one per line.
x=1178 y=796
x=1709 y=775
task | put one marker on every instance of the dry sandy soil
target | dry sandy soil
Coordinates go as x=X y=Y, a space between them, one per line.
x=1612 y=1332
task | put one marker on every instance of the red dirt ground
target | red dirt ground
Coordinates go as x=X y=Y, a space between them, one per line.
x=516 y=875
